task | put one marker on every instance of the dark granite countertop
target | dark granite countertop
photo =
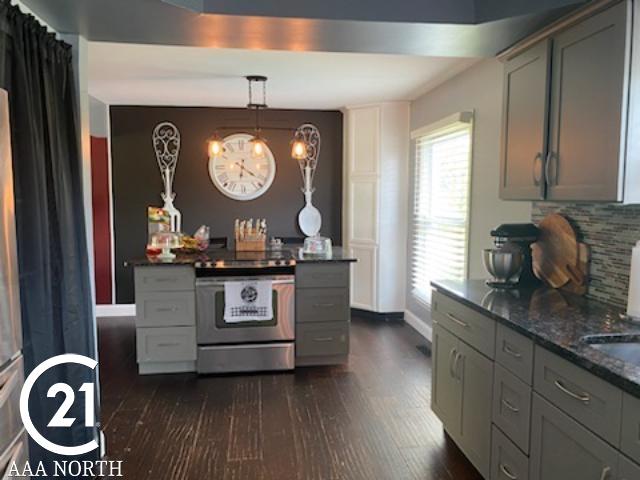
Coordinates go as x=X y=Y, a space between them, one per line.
x=290 y=252
x=557 y=321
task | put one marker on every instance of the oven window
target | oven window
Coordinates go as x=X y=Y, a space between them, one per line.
x=220 y=323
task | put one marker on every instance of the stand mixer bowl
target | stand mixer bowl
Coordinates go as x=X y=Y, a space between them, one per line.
x=503 y=266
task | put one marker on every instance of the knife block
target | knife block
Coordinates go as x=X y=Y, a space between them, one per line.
x=251 y=245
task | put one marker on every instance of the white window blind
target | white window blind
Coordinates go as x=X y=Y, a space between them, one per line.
x=441 y=208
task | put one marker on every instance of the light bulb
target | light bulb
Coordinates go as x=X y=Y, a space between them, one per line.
x=299 y=150
x=257 y=148
x=215 y=148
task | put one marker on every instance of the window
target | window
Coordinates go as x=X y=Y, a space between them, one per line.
x=441 y=204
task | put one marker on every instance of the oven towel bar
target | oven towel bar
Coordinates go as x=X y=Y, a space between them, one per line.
x=248 y=301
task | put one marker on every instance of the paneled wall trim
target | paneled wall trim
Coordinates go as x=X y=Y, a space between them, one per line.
x=611 y=231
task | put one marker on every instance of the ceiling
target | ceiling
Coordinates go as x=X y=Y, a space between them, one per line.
x=128 y=74
x=461 y=28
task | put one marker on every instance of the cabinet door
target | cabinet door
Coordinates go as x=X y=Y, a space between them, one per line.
x=628 y=469
x=525 y=123
x=589 y=77
x=446 y=388
x=562 y=449
x=476 y=372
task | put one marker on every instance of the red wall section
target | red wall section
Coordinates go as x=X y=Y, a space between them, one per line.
x=101 y=219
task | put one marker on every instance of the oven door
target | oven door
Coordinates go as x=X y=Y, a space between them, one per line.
x=213 y=330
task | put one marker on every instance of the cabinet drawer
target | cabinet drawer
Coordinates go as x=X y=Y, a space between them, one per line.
x=322 y=305
x=165 y=309
x=177 y=344
x=11 y=381
x=467 y=324
x=512 y=407
x=591 y=401
x=322 y=275
x=322 y=339
x=630 y=438
x=507 y=462
x=515 y=353
x=163 y=279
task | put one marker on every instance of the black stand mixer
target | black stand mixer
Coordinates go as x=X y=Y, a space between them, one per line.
x=510 y=263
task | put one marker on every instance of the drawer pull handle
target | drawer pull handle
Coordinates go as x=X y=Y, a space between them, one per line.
x=455 y=319
x=582 y=397
x=175 y=344
x=510 y=406
x=504 y=469
x=167 y=309
x=511 y=351
x=165 y=280
x=324 y=339
x=605 y=473
x=324 y=305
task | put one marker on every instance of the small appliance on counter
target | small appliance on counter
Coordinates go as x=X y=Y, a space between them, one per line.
x=633 y=306
x=510 y=262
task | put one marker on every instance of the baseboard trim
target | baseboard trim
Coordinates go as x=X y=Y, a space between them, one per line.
x=384 y=317
x=116 y=310
x=418 y=325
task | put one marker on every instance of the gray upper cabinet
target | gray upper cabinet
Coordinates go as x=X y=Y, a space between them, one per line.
x=574 y=98
x=524 y=130
x=446 y=394
x=562 y=449
x=588 y=102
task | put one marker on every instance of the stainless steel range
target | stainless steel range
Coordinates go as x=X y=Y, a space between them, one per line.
x=245 y=346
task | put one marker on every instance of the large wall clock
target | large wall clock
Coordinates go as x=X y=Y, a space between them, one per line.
x=237 y=174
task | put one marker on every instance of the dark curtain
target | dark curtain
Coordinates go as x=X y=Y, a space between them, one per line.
x=37 y=71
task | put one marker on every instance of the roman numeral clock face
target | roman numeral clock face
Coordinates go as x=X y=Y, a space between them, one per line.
x=237 y=174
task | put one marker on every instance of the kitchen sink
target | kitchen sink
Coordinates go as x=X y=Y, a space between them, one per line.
x=622 y=347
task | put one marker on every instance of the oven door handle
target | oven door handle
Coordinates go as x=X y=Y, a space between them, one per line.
x=220 y=283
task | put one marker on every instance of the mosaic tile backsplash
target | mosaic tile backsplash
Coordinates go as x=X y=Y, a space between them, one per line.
x=611 y=231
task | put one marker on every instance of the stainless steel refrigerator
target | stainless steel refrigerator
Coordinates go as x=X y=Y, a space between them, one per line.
x=13 y=440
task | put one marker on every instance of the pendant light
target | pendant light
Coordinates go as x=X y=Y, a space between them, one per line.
x=258 y=146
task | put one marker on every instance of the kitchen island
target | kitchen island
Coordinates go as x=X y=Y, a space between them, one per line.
x=180 y=309
x=527 y=383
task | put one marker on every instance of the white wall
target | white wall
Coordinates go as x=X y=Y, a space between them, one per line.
x=477 y=89
x=98 y=118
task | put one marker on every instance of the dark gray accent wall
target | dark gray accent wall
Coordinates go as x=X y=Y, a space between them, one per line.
x=611 y=231
x=137 y=182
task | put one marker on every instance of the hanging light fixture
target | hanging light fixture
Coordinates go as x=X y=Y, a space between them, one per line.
x=301 y=146
x=258 y=146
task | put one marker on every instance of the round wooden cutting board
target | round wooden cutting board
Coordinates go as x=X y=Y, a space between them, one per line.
x=555 y=254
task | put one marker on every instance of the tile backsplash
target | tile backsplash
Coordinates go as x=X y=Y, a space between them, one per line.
x=611 y=231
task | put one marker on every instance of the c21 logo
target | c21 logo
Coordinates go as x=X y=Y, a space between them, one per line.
x=60 y=419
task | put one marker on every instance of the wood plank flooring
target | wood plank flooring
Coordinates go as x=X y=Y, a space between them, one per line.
x=366 y=420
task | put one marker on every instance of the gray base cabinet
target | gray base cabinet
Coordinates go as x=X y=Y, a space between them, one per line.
x=446 y=388
x=561 y=448
x=323 y=314
x=530 y=414
x=165 y=319
x=461 y=395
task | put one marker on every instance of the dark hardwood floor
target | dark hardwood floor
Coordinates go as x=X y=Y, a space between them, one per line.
x=366 y=420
